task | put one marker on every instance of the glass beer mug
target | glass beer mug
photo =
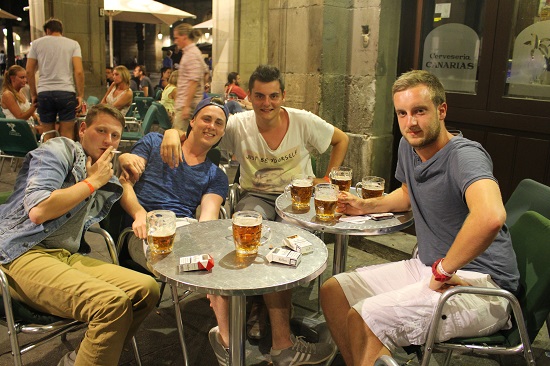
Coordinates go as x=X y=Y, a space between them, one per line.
x=300 y=191
x=248 y=233
x=161 y=231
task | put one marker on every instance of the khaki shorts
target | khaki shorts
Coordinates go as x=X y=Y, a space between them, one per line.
x=396 y=303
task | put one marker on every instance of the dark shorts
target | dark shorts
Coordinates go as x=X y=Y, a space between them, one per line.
x=57 y=103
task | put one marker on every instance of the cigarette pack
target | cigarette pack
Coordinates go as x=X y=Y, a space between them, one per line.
x=196 y=262
x=284 y=256
x=298 y=244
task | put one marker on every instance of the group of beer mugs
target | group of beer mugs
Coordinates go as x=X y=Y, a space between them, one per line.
x=325 y=195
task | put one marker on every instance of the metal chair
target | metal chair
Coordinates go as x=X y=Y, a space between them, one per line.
x=17 y=139
x=163 y=117
x=142 y=105
x=21 y=318
x=529 y=195
x=385 y=361
x=531 y=241
x=150 y=117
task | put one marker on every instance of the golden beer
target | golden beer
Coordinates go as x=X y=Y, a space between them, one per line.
x=301 y=191
x=372 y=191
x=325 y=207
x=247 y=234
x=343 y=182
x=161 y=244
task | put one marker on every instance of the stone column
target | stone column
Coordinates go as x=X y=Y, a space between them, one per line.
x=332 y=71
x=239 y=39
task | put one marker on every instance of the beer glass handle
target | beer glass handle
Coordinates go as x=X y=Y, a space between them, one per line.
x=358 y=188
x=266 y=234
x=288 y=195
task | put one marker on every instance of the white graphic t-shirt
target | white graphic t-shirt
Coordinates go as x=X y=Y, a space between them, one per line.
x=269 y=171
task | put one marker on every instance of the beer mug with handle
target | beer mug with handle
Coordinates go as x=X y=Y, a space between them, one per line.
x=300 y=191
x=161 y=231
x=341 y=176
x=370 y=187
x=249 y=233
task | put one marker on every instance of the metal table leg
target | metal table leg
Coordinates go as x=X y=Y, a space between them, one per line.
x=340 y=253
x=179 y=322
x=237 y=310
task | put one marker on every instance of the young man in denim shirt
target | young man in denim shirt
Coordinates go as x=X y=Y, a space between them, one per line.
x=62 y=189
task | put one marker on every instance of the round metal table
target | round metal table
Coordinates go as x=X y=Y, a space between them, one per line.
x=342 y=230
x=234 y=276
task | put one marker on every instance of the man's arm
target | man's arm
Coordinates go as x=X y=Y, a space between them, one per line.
x=131 y=205
x=210 y=207
x=31 y=78
x=339 y=143
x=396 y=201
x=487 y=216
x=78 y=71
x=63 y=200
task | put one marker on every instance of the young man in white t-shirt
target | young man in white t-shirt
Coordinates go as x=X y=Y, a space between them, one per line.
x=271 y=143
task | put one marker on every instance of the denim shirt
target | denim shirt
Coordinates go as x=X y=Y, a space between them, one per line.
x=57 y=164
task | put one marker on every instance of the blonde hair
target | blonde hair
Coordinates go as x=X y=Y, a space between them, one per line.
x=173 y=79
x=124 y=74
x=421 y=77
x=8 y=86
x=186 y=29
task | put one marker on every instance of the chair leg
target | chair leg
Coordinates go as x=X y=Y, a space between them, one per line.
x=448 y=357
x=136 y=351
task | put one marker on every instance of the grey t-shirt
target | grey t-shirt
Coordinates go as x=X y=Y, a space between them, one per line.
x=437 y=190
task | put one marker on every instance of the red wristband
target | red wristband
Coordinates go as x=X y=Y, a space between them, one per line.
x=326 y=178
x=90 y=186
x=440 y=277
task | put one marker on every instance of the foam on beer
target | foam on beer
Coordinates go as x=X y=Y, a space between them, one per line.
x=302 y=183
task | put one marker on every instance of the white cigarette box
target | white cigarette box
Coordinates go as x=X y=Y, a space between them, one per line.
x=284 y=256
x=298 y=244
x=196 y=262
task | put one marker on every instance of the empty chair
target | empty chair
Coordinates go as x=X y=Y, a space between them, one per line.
x=163 y=117
x=92 y=101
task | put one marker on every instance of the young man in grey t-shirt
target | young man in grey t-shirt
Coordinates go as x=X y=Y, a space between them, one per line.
x=448 y=183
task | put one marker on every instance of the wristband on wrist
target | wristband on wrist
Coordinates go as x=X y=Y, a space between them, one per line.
x=326 y=178
x=439 y=273
x=90 y=186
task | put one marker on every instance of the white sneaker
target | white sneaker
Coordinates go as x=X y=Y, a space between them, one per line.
x=222 y=353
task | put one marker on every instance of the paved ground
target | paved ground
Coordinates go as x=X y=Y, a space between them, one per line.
x=157 y=338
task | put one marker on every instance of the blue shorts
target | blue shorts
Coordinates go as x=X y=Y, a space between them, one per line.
x=57 y=103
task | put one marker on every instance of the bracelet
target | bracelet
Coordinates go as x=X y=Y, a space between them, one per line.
x=439 y=276
x=90 y=186
x=441 y=270
x=326 y=178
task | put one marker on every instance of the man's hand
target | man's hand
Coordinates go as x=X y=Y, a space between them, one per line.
x=170 y=149
x=101 y=171
x=443 y=286
x=132 y=166
x=186 y=112
x=79 y=104
x=139 y=225
x=350 y=204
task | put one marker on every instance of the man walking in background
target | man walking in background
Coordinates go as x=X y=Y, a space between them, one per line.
x=60 y=88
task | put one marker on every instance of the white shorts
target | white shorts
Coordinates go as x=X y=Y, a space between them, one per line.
x=395 y=301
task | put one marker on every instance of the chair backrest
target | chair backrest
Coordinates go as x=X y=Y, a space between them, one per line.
x=531 y=241
x=138 y=93
x=150 y=118
x=2 y=115
x=142 y=105
x=92 y=101
x=528 y=196
x=16 y=137
x=163 y=117
x=215 y=156
x=158 y=94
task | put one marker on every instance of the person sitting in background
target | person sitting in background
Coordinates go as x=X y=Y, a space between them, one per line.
x=145 y=83
x=233 y=86
x=168 y=98
x=164 y=76
x=167 y=60
x=109 y=76
x=151 y=184
x=119 y=94
x=14 y=103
